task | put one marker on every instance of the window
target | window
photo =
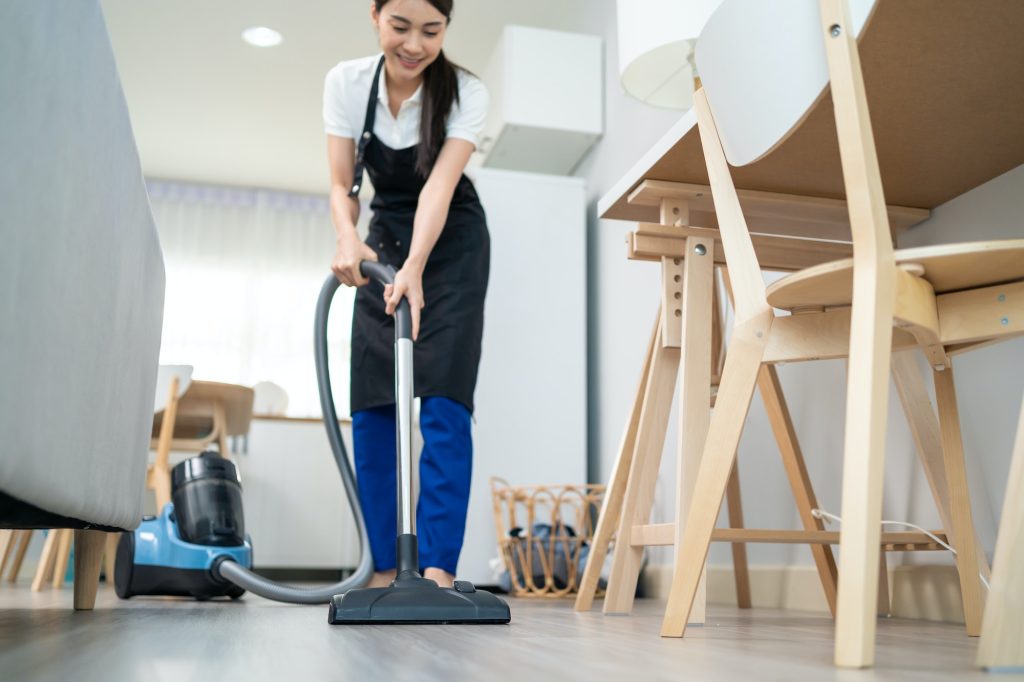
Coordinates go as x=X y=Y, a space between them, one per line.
x=244 y=270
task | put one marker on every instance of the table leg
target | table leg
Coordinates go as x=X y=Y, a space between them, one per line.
x=611 y=507
x=643 y=473
x=694 y=388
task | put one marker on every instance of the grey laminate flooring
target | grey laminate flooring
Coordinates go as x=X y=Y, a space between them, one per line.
x=159 y=640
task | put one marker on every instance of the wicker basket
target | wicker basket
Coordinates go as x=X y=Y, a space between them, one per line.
x=543 y=533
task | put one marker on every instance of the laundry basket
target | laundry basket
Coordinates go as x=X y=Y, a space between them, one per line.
x=544 y=534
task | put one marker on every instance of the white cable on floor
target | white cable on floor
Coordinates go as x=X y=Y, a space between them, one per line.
x=827 y=516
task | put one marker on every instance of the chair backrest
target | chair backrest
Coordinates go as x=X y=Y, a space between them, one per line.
x=763 y=66
x=164 y=375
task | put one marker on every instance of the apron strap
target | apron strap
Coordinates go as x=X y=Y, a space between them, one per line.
x=364 y=139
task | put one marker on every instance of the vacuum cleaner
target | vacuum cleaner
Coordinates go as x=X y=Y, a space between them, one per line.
x=197 y=546
x=177 y=552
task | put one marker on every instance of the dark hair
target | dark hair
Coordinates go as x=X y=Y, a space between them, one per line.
x=440 y=90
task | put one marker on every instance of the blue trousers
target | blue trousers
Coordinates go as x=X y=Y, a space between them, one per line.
x=446 y=466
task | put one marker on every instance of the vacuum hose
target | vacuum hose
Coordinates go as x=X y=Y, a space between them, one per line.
x=241 y=576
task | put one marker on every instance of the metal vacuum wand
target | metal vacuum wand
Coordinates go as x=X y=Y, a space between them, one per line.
x=407 y=546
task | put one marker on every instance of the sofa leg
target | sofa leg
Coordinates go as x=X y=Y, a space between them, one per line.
x=110 y=556
x=89 y=546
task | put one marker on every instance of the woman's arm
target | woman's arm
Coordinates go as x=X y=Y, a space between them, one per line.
x=345 y=213
x=431 y=215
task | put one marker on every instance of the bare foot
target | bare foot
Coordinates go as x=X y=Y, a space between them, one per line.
x=382 y=578
x=441 y=577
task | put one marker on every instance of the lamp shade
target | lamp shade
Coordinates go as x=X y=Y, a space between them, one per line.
x=656 y=39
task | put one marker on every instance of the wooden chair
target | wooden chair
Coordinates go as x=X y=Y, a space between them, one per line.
x=191 y=416
x=942 y=300
x=172 y=381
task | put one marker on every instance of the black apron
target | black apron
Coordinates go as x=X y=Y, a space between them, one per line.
x=446 y=354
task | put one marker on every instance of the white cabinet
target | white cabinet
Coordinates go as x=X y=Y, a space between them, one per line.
x=546 y=100
x=295 y=506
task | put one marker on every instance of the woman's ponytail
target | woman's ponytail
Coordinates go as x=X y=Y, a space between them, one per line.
x=440 y=91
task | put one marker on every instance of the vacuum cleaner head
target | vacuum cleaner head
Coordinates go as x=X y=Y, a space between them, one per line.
x=414 y=600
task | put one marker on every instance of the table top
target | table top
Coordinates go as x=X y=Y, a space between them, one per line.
x=945 y=88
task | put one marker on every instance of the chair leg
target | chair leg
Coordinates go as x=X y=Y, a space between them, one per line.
x=863 y=469
x=45 y=569
x=740 y=568
x=884 y=600
x=88 y=558
x=60 y=564
x=611 y=507
x=6 y=545
x=964 y=539
x=1002 y=637
x=24 y=540
x=159 y=475
x=731 y=407
x=160 y=482
x=796 y=471
x=643 y=474
x=924 y=426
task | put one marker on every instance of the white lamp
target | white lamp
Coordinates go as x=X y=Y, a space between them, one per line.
x=656 y=40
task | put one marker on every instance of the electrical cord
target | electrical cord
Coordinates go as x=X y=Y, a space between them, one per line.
x=827 y=516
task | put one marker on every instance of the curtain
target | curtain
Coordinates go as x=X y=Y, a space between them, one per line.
x=244 y=269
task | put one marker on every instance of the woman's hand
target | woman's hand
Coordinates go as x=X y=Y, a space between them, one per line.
x=351 y=251
x=408 y=283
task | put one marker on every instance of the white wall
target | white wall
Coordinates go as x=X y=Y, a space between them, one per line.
x=623 y=298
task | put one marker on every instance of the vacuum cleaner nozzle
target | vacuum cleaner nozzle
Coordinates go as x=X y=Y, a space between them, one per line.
x=414 y=600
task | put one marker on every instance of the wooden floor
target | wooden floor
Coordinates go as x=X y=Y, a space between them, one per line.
x=41 y=638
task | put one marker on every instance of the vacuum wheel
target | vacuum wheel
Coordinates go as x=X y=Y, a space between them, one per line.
x=124 y=562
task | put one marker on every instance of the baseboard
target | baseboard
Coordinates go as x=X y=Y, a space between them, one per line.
x=793 y=588
x=929 y=593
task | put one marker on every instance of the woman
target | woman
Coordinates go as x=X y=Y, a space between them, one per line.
x=411 y=118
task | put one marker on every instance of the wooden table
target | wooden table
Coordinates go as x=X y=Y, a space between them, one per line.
x=943 y=83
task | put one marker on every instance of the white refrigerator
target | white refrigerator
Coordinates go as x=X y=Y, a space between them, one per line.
x=530 y=424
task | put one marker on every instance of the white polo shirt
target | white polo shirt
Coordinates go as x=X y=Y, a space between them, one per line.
x=347 y=90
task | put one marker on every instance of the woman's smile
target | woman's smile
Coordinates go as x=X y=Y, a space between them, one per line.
x=408 y=62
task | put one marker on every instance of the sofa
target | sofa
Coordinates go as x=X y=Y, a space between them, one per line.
x=81 y=284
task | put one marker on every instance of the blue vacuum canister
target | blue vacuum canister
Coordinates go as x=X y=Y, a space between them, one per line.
x=175 y=553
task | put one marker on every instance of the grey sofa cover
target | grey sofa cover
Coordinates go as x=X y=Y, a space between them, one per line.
x=81 y=272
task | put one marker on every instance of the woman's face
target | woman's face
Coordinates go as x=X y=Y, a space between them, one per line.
x=411 y=36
